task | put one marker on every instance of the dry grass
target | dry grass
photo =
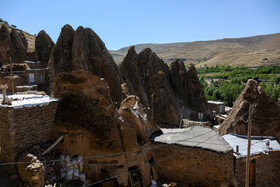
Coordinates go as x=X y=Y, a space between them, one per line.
x=250 y=51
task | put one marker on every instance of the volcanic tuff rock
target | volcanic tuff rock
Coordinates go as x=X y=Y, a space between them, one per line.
x=91 y=126
x=265 y=114
x=86 y=103
x=12 y=45
x=133 y=112
x=43 y=47
x=188 y=90
x=168 y=92
x=84 y=50
x=61 y=58
x=147 y=77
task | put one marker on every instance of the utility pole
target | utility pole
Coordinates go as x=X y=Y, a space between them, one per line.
x=181 y=119
x=247 y=175
x=12 y=77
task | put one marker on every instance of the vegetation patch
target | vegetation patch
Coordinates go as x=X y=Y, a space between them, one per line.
x=225 y=83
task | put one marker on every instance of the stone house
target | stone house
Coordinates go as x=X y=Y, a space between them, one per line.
x=196 y=156
x=264 y=159
x=27 y=122
x=216 y=106
x=24 y=74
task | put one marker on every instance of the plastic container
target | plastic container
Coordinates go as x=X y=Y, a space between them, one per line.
x=81 y=166
x=75 y=173
x=67 y=158
x=68 y=164
x=62 y=173
x=82 y=177
x=80 y=158
x=69 y=177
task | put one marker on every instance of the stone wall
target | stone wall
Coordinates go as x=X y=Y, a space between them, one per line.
x=193 y=166
x=22 y=128
x=266 y=169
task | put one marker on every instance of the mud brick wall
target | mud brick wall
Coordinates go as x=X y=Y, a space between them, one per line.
x=22 y=128
x=193 y=166
x=266 y=172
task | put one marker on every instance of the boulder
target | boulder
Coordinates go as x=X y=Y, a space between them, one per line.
x=43 y=47
x=265 y=113
x=84 y=50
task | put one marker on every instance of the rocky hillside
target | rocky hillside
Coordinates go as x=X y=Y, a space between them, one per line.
x=250 y=51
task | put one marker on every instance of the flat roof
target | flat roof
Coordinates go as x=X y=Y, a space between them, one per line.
x=258 y=144
x=28 y=100
x=216 y=102
x=195 y=136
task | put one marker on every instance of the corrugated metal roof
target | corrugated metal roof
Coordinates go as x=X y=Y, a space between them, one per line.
x=196 y=136
x=258 y=144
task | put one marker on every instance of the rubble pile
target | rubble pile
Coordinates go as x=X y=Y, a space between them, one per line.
x=33 y=173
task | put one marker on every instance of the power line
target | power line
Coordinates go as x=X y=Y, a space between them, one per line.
x=157 y=161
x=125 y=173
x=108 y=155
x=101 y=156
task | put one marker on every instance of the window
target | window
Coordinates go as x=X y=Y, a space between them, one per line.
x=134 y=176
x=200 y=116
x=31 y=77
x=41 y=78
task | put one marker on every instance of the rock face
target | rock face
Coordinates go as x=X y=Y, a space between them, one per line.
x=84 y=50
x=43 y=47
x=148 y=78
x=188 y=90
x=92 y=127
x=265 y=113
x=170 y=93
x=12 y=45
x=135 y=113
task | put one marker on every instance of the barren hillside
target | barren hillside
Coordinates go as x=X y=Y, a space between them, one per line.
x=250 y=51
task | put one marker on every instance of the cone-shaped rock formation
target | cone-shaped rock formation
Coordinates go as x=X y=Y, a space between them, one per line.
x=84 y=50
x=12 y=45
x=169 y=93
x=43 y=47
x=265 y=113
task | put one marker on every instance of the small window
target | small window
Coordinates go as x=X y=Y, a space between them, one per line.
x=31 y=77
x=200 y=116
x=41 y=78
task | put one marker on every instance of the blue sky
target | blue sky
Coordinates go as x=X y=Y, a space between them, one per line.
x=127 y=22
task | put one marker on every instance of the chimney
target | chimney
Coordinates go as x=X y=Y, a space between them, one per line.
x=237 y=149
x=267 y=144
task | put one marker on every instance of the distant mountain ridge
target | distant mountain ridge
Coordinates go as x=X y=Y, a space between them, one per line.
x=250 y=51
